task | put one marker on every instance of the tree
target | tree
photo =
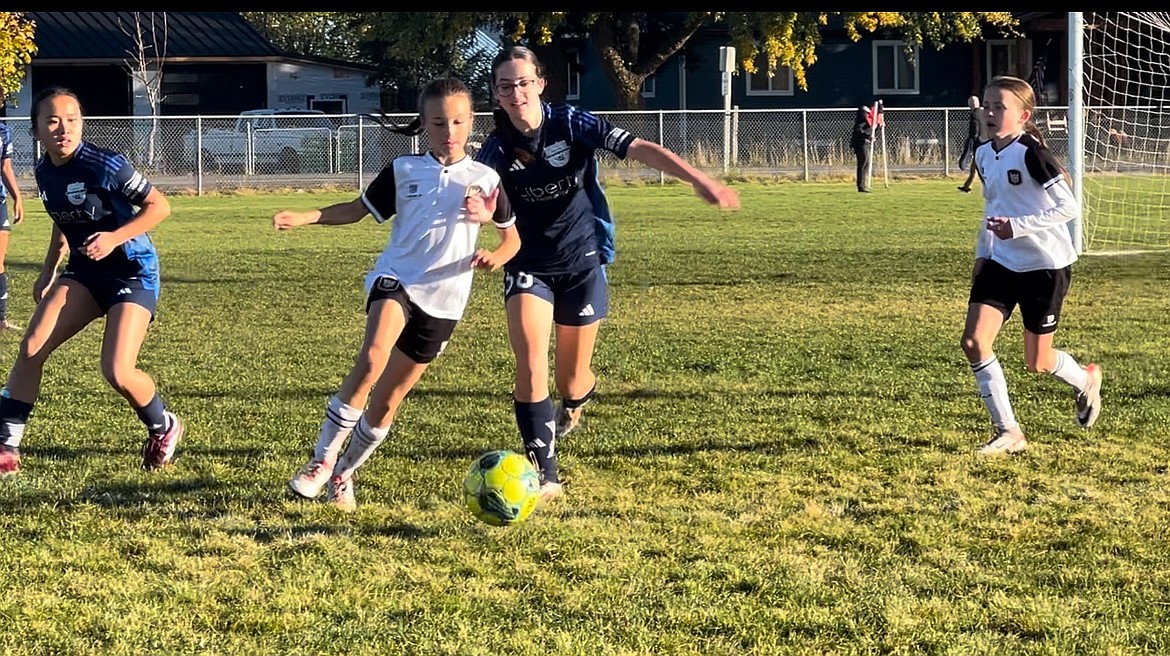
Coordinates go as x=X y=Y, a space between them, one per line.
x=331 y=34
x=409 y=49
x=17 y=47
x=145 y=61
x=633 y=45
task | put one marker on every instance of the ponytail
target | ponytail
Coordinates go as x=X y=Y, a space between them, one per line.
x=411 y=129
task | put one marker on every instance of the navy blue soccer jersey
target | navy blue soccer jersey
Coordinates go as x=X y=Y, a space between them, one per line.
x=562 y=214
x=98 y=190
x=5 y=153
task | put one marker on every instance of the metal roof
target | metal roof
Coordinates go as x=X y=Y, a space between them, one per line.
x=90 y=35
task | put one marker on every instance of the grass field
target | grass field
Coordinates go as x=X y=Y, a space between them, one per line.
x=780 y=461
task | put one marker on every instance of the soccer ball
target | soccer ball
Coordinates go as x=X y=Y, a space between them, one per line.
x=501 y=488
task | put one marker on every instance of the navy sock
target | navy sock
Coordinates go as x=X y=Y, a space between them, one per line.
x=537 y=423
x=3 y=296
x=154 y=415
x=573 y=404
x=13 y=416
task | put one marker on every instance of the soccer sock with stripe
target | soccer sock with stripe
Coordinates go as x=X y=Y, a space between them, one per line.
x=153 y=415
x=3 y=295
x=1071 y=372
x=337 y=425
x=537 y=423
x=361 y=446
x=13 y=416
x=994 y=391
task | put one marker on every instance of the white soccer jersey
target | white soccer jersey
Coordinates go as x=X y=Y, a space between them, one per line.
x=1024 y=182
x=431 y=241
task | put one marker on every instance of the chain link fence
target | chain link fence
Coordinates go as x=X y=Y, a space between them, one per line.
x=202 y=154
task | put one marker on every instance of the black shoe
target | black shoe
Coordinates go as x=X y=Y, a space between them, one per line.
x=965 y=190
x=863 y=191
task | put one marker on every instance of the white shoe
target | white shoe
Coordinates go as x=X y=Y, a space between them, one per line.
x=1006 y=441
x=1089 y=399
x=311 y=479
x=341 y=494
x=550 y=491
x=8 y=325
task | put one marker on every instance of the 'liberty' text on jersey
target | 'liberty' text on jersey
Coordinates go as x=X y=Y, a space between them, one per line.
x=98 y=190
x=550 y=177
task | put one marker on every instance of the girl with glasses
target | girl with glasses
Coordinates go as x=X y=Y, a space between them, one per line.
x=546 y=154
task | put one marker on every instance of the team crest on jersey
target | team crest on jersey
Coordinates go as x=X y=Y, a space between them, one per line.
x=412 y=190
x=1015 y=177
x=75 y=192
x=557 y=154
x=387 y=284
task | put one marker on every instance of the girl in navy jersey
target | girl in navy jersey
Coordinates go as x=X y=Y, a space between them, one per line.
x=102 y=209
x=547 y=157
x=1023 y=257
x=419 y=287
x=8 y=186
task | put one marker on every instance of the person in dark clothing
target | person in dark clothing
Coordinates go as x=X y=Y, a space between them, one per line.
x=860 y=141
x=974 y=138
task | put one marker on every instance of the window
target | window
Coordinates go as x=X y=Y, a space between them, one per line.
x=573 y=75
x=761 y=84
x=329 y=106
x=649 y=87
x=1004 y=57
x=895 y=71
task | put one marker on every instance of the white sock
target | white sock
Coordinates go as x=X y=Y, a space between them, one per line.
x=1068 y=370
x=993 y=389
x=361 y=446
x=339 y=422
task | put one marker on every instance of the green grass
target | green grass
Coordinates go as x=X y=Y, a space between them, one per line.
x=780 y=461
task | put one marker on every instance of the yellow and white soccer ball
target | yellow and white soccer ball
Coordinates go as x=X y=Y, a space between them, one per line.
x=501 y=488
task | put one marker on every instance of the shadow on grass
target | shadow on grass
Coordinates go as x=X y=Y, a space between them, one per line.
x=342 y=528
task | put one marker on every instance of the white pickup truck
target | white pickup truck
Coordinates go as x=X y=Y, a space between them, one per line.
x=262 y=141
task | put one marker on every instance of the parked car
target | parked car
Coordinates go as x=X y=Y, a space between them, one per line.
x=266 y=141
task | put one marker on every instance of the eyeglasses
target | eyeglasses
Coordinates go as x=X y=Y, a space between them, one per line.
x=507 y=88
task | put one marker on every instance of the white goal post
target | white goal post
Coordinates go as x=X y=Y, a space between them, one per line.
x=1119 y=129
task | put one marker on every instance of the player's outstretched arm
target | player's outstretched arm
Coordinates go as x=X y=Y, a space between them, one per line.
x=665 y=160
x=338 y=214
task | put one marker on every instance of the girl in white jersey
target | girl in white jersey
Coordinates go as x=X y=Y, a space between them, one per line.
x=1023 y=257
x=419 y=286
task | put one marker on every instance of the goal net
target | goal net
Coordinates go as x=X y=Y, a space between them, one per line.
x=1125 y=177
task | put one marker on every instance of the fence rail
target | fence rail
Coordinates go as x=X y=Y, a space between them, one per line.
x=802 y=144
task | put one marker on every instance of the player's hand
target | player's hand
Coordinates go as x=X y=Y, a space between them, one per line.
x=717 y=194
x=1000 y=226
x=98 y=245
x=480 y=208
x=43 y=283
x=17 y=210
x=286 y=220
x=487 y=260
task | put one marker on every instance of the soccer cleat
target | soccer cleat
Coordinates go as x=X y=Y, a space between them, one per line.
x=1089 y=399
x=965 y=190
x=9 y=460
x=159 y=449
x=568 y=419
x=341 y=494
x=549 y=491
x=1006 y=441
x=311 y=479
